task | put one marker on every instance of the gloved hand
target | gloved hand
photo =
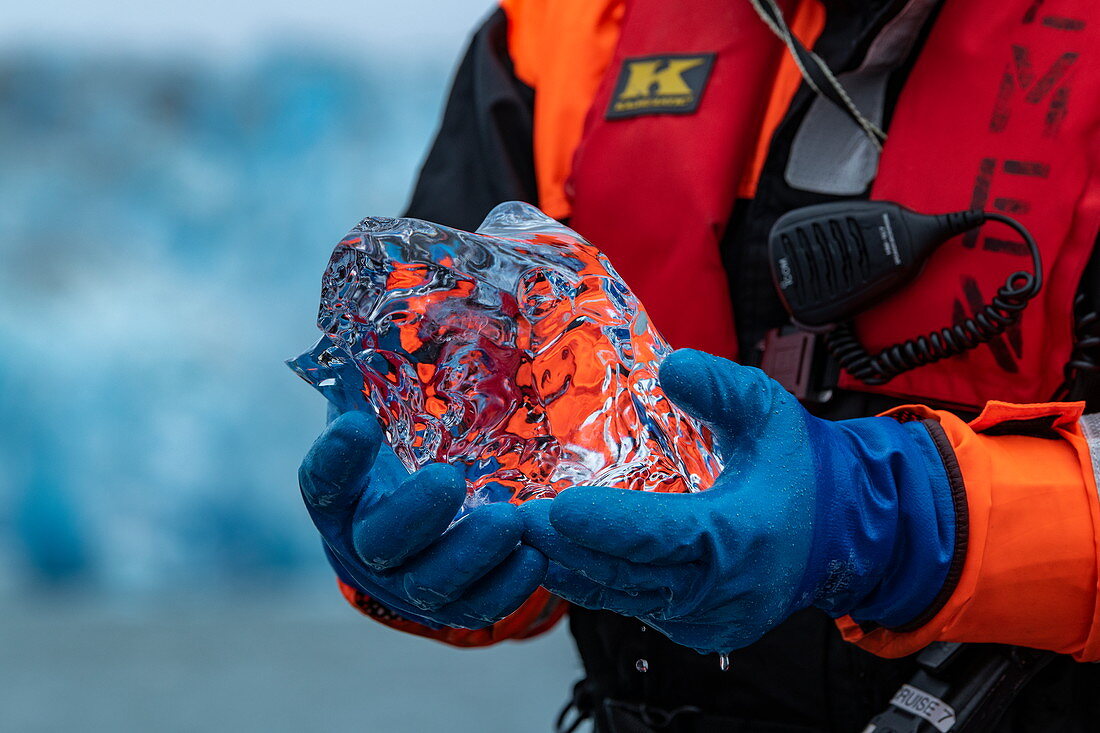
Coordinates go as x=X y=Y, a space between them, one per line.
x=855 y=516
x=390 y=534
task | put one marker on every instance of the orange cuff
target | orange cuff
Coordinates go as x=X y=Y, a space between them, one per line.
x=1029 y=577
x=538 y=613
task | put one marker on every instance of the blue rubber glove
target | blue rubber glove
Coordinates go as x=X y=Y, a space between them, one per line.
x=855 y=516
x=390 y=534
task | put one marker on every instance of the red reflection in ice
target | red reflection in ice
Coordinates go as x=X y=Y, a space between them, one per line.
x=516 y=350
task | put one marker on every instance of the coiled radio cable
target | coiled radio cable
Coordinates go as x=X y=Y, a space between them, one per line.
x=991 y=320
x=831 y=262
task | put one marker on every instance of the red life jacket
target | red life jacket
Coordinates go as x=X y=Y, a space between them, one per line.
x=1000 y=112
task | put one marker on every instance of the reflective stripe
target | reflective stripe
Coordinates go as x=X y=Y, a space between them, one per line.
x=1090 y=426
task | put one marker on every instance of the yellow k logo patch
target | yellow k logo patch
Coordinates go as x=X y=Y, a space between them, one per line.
x=670 y=84
x=645 y=78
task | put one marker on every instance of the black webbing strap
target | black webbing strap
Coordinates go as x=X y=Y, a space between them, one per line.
x=961 y=688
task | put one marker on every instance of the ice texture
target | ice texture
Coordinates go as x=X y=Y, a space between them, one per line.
x=516 y=351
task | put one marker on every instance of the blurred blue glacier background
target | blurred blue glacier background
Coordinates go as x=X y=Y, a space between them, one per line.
x=172 y=180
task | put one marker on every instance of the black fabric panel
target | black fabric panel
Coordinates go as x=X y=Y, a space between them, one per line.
x=800 y=674
x=483 y=153
x=1084 y=381
x=1036 y=427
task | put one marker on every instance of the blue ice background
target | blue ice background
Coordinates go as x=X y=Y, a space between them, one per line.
x=164 y=226
x=164 y=221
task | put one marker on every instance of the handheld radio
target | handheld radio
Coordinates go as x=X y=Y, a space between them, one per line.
x=830 y=262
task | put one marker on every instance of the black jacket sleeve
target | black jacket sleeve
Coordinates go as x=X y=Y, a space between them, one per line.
x=483 y=153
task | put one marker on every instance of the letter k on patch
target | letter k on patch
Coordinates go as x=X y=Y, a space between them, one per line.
x=667 y=84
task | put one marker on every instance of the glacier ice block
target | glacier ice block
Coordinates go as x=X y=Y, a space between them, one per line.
x=516 y=351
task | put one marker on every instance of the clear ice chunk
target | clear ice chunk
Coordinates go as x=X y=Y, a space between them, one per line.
x=516 y=351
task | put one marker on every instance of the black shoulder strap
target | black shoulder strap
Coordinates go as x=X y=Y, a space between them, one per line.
x=1082 y=371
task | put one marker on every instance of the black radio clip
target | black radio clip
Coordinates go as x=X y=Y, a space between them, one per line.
x=830 y=262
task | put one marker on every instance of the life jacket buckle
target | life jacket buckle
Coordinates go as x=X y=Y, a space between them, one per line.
x=799 y=361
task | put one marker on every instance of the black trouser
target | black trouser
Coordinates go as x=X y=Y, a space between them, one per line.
x=800 y=677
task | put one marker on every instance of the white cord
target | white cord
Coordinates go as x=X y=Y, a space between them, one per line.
x=779 y=27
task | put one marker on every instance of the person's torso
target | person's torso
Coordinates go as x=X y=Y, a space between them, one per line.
x=986 y=105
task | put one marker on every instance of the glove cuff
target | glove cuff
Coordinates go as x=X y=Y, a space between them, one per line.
x=1029 y=560
x=885 y=518
x=930 y=544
